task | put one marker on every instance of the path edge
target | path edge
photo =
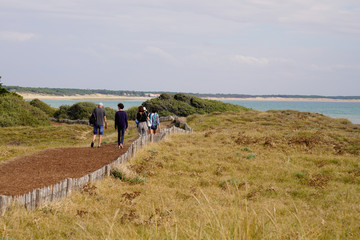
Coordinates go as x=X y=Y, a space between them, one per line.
x=38 y=197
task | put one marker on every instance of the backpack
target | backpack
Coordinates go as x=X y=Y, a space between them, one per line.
x=92 y=119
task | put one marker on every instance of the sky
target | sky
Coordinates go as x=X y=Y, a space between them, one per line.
x=303 y=47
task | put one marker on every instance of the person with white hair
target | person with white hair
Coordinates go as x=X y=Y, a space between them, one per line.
x=100 y=119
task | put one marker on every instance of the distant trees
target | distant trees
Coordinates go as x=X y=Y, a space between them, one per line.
x=72 y=91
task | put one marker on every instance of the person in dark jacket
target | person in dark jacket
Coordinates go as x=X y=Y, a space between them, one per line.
x=141 y=117
x=121 y=124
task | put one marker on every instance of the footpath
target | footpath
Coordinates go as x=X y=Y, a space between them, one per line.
x=53 y=174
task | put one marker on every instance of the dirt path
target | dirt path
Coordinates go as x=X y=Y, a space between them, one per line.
x=51 y=166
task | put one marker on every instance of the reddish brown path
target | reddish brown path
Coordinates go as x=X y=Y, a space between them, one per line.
x=54 y=165
x=51 y=166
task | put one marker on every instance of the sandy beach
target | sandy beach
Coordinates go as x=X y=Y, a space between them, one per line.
x=30 y=96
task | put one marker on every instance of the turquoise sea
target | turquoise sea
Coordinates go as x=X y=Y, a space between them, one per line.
x=107 y=103
x=348 y=110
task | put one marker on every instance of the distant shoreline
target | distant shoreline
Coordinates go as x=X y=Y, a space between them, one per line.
x=29 y=96
x=282 y=99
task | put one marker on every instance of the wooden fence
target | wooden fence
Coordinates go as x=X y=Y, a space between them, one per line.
x=37 y=197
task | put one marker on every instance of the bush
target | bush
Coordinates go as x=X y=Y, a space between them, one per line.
x=131 y=113
x=183 y=97
x=184 y=105
x=166 y=96
x=110 y=113
x=82 y=111
x=3 y=90
x=43 y=106
x=62 y=112
x=14 y=111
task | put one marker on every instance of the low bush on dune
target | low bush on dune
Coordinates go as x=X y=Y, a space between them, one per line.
x=14 y=111
x=182 y=104
x=62 y=112
x=131 y=113
x=81 y=110
x=43 y=107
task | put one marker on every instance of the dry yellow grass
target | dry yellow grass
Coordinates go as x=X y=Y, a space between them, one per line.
x=254 y=175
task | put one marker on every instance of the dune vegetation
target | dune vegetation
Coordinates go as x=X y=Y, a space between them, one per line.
x=239 y=175
x=182 y=104
x=81 y=110
x=43 y=107
x=14 y=111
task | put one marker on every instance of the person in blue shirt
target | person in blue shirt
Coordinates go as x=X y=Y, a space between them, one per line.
x=154 y=121
x=121 y=124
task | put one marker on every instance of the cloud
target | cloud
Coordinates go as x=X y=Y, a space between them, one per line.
x=16 y=36
x=257 y=61
x=194 y=40
x=162 y=54
x=251 y=60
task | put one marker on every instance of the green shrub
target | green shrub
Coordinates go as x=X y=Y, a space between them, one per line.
x=3 y=90
x=251 y=156
x=131 y=113
x=43 y=106
x=166 y=96
x=184 y=105
x=14 y=111
x=115 y=173
x=110 y=113
x=81 y=110
x=62 y=112
x=183 y=97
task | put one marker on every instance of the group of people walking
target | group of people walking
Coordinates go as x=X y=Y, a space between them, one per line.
x=146 y=123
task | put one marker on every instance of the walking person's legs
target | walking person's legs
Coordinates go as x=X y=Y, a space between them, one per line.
x=154 y=129
x=121 y=134
x=119 y=137
x=139 y=129
x=145 y=128
x=142 y=128
x=95 y=131
x=101 y=131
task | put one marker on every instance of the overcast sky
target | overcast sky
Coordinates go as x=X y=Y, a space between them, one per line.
x=204 y=46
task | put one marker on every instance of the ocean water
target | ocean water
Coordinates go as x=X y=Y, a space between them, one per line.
x=348 y=110
x=107 y=103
